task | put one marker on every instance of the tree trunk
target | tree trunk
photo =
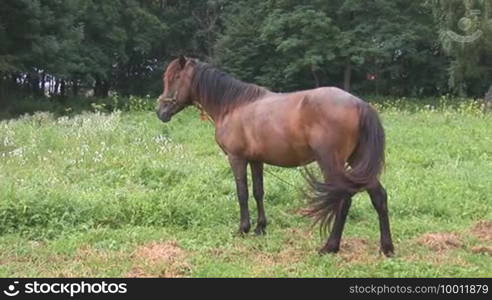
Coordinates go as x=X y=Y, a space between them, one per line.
x=377 y=79
x=101 y=88
x=75 y=87
x=3 y=91
x=57 y=86
x=62 y=88
x=34 y=81
x=488 y=100
x=105 y=89
x=97 y=88
x=315 y=76
x=347 y=76
x=43 y=84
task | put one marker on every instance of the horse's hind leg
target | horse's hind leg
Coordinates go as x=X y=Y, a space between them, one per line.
x=257 y=174
x=238 y=166
x=333 y=243
x=379 y=201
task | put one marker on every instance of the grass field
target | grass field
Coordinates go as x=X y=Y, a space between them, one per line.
x=122 y=194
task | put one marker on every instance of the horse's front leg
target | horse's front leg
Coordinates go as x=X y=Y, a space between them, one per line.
x=257 y=175
x=238 y=166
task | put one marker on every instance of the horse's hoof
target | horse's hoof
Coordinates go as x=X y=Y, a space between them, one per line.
x=328 y=250
x=260 y=231
x=244 y=229
x=241 y=234
x=389 y=252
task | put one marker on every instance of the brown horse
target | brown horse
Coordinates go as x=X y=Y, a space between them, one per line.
x=342 y=133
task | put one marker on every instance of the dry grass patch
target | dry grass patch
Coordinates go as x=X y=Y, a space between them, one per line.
x=159 y=252
x=358 y=250
x=440 y=241
x=482 y=230
x=482 y=250
x=165 y=259
x=441 y=244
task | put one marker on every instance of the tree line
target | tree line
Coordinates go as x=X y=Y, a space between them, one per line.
x=66 y=48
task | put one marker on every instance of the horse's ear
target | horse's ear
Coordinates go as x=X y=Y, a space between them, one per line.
x=182 y=61
x=192 y=61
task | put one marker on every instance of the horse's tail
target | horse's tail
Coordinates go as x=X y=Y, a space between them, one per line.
x=365 y=165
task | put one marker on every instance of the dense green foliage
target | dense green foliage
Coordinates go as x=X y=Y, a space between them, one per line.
x=69 y=47
x=80 y=194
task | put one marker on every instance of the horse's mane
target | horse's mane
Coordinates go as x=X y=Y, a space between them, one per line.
x=221 y=92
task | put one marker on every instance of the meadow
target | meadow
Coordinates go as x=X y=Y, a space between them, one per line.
x=118 y=193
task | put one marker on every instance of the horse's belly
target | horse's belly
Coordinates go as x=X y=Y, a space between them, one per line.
x=287 y=162
x=281 y=153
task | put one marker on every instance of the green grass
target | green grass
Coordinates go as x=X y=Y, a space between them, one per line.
x=122 y=194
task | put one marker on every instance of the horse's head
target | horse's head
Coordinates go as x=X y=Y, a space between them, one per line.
x=177 y=83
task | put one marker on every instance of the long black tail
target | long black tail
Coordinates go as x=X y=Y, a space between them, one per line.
x=365 y=165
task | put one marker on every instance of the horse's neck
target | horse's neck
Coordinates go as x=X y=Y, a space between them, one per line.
x=215 y=112
x=206 y=113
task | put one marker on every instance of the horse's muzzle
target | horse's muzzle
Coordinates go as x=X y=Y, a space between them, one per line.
x=163 y=116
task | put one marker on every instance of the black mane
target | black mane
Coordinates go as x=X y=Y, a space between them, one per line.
x=221 y=92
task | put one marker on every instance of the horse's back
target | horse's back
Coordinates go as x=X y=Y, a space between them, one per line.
x=332 y=96
x=328 y=107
